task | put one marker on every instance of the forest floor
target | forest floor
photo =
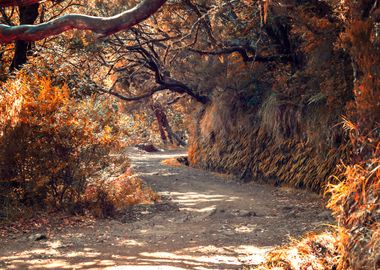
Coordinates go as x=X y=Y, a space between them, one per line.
x=203 y=221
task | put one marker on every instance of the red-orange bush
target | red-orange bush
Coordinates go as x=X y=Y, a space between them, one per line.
x=356 y=206
x=49 y=145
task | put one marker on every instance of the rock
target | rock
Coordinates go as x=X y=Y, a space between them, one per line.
x=150 y=148
x=244 y=213
x=183 y=160
x=37 y=237
x=287 y=208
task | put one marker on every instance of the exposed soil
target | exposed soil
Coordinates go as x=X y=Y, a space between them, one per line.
x=204 y=221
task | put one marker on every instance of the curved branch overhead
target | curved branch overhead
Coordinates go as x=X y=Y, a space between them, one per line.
x=101 y=25
x=13 y=3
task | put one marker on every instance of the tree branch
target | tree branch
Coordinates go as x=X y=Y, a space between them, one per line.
x=20 y=3
x=136 y=98
x=101 y=25
x=164 y=80
x=205 y=18
x=244 y=53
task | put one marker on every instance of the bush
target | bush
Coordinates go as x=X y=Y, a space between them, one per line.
x=313 y=252
x=356 y=206
x=50 y=144
x=105 y=197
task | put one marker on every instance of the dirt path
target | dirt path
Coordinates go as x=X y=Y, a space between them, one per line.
x=205 y=221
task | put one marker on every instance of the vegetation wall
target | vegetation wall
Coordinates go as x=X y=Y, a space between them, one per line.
x=283 y=124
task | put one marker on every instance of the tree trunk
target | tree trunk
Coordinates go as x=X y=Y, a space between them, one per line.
x=28 y=15
x=161 y=120
x=163 y=125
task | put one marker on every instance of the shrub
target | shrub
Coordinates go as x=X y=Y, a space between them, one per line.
x=313 y=252
x=356 y=206
x=105 y=197
x=50 y=143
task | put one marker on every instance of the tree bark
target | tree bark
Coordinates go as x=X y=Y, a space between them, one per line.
x=157 y=113
x=101 y=25
x=28 y=15
x=19 y=3
x=162 y=122
x=163 y=125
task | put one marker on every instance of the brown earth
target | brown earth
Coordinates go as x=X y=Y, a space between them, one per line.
x=204 y=221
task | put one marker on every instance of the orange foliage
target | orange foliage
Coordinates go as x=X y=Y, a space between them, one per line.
x=173 y=162
x=314 y=252
x=365 y=109
x=355 y=202
x=49 y=147
x=104 y=197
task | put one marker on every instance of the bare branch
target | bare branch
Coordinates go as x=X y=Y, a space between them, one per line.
x=151 y=62
x=13 y=3
x=244 y=53
x=205 y=19
x=101 y=25
x=136 y=98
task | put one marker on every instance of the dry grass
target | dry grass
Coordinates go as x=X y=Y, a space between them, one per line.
x=355 y=243
x=293 y=136
x=171 y=162
x=356 y=205
x=251 y=152
x=106 y=198
x=313 y=252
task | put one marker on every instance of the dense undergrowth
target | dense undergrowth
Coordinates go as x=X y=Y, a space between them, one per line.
x=317 y=128
x=53 y=149
x=281 y=122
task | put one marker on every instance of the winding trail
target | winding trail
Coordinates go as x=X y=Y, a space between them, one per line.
x=205 y=221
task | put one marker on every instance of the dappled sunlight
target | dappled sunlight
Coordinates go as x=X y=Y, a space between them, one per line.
x=197 y=257
x=246 y=228
x=198 y=202
x=190 y=259
x=144 y=267
x=161 y=173
x=192 y=198
x=84 y=253
x=199 y=210
x=142 y=156
x=130 y=243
